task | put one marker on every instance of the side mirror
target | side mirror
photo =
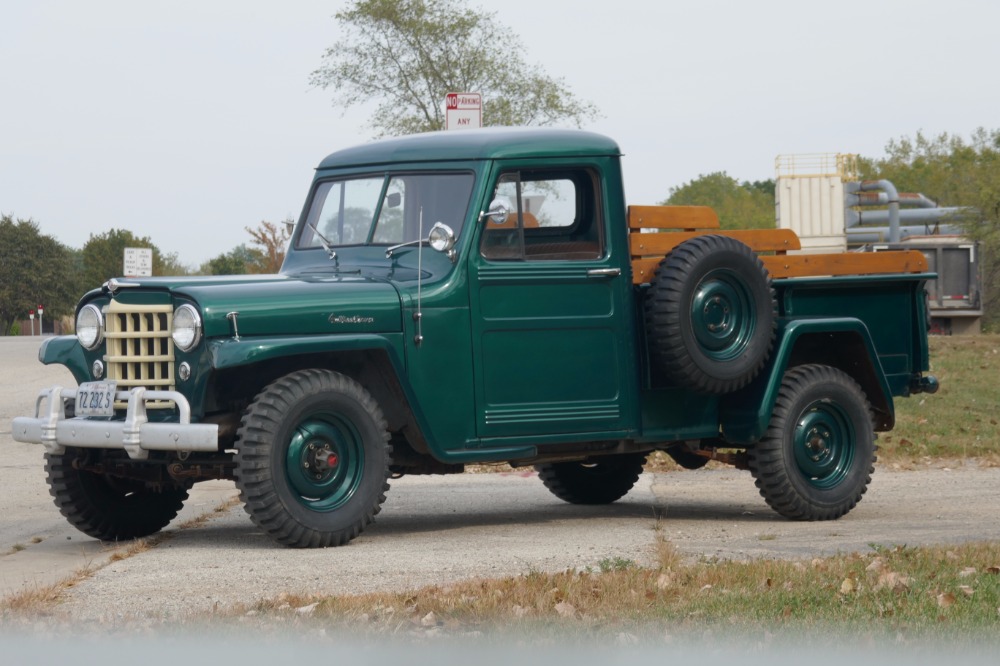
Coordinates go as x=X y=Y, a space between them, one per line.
x=498 y=213
x=441 y=237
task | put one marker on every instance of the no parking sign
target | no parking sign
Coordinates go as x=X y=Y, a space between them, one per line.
x=463 y=111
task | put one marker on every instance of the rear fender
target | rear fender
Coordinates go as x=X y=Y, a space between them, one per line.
x=843 y=343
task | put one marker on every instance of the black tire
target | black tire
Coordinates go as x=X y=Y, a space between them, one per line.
x=711 y=315
x=686 y=458
x=817 y=457
x=312 y=459
x=107 y=507
x=601 y=481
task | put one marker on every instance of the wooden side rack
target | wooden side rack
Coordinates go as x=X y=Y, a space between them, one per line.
x=680 y=223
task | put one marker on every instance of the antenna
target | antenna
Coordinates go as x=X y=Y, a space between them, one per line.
x=419 y=315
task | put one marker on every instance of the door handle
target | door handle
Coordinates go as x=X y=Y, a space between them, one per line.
x=604 y=272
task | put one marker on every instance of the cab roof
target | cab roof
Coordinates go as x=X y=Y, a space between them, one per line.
x=483 y=144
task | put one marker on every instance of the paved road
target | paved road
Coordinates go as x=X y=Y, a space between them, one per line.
x=439 y=529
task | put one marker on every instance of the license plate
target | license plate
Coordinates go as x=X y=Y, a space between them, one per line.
x=96 y=399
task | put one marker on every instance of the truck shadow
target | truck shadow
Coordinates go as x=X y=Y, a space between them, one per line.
x=624 y=510
x=401 y=521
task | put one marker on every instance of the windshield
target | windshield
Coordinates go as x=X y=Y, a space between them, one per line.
x=385 y=209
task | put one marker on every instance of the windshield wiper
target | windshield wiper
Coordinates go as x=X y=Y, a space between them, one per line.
x=327 y=245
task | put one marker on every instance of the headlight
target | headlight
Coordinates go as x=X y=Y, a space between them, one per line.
x=187 y=327
x=90 y=326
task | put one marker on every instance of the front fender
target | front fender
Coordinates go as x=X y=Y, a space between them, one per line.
x=66 y=350
x=231 y=353
x=844 y=343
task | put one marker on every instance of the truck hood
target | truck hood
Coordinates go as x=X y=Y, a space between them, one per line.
x=283 y=304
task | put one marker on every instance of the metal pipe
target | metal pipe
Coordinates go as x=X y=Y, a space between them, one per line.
x=914 y=216
x=862 y=235
x=866 y=199
x=881 y=199
x=916 y=199
x=893 y=201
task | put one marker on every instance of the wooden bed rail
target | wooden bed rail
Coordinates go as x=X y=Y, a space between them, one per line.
x=681 y=223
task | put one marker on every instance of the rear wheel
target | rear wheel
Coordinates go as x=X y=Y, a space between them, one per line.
x=312 y=459
x=818 y=454
x=601 y=481
x=107 y=507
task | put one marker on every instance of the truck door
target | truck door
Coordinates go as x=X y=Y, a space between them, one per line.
x=551 y=337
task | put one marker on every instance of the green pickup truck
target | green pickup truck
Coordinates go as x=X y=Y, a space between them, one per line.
x=473 y=297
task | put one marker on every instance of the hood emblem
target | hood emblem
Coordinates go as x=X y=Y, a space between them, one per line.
x=114 y=285
x=353 y=319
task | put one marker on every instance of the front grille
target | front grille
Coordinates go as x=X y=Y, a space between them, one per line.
x=140 y=351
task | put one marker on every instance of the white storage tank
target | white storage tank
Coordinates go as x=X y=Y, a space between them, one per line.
x=809 y=198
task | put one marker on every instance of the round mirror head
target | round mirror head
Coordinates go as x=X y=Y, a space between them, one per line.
x=499 y=211
x=441 y=237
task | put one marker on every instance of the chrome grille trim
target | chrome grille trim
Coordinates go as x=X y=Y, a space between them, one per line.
x=140 y=351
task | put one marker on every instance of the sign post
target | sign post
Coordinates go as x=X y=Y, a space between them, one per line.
x=138 y=262
x=31 y=316
x=41 y=331
x=463 y=111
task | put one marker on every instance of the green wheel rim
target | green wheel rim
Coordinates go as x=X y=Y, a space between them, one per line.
x=825 y=444
x=722 y=316
x=324 y=462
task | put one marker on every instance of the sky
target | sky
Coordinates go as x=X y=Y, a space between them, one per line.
x=187 y=121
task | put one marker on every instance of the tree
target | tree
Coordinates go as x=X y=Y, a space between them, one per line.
x=170 y=264
x=743 y=205
x=273 y=240
x=104 y=255
x=34 y=269
x=238 y=261
x=954 y=172
x=408 y=54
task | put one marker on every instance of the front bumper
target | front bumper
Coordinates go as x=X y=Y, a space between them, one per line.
x=136 y=434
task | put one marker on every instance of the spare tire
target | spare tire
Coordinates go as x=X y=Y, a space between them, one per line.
x=710 y=315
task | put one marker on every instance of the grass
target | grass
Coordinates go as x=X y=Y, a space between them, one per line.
x=959 y=422
x=899 y=594
x=38 y=599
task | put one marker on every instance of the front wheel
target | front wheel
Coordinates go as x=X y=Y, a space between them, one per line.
x=312 y=459
x=818 y=454
x=602 y=481
x=107 y=507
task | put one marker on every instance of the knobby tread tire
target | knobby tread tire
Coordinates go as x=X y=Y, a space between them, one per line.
x=262 y=441
x=109 y=508
x=673 y=333
x=602 y=481
x=772 y=462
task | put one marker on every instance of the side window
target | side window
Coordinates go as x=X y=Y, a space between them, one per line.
x=555 y=216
